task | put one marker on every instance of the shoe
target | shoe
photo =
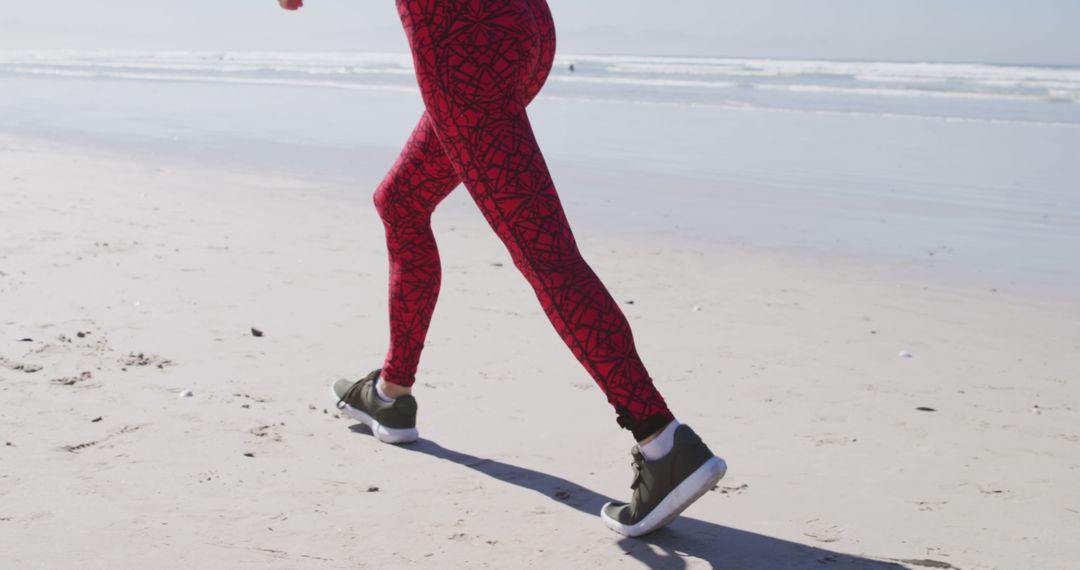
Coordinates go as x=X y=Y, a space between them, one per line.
x=390 y=422
x=665 y=487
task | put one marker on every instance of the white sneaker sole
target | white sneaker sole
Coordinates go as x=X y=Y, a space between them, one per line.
x=382 y=433
x=691 y=489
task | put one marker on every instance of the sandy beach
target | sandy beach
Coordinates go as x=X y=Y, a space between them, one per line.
x=874 y=414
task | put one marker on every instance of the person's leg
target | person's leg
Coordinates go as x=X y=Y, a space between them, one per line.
x=420 y=178
x=472 y=73
x=418 y=181
x=405 y=200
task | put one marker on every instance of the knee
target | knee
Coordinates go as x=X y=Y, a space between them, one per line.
x=397 y=214
x=381 y=199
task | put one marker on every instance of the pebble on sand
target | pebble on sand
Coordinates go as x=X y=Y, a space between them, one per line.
x=256 y=332
x=187 y=394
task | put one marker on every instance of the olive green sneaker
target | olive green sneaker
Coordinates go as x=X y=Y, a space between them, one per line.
x=390 y=422
x=665 y=487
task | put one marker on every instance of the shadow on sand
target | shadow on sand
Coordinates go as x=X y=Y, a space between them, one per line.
x=721 y=546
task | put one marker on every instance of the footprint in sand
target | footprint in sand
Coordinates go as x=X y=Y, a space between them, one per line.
x=823 y=533
x=143 y=359
x=73 y=380
x=76 y=448
x=20 y=366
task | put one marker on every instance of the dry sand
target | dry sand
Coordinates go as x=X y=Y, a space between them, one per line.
x=134 y=281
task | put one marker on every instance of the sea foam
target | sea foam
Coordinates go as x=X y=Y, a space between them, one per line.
x=944 y=90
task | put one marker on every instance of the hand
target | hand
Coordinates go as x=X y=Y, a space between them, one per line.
x=291 y=4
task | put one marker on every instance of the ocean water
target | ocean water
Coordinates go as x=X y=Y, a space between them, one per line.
x=969 y=167
x=944 y=90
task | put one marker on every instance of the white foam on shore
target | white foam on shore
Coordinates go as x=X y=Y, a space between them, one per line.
x=103 y=74
x=1027 y=93
x=908 y=92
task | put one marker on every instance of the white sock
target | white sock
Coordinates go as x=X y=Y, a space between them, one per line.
x=662 y=444
x=382 y=395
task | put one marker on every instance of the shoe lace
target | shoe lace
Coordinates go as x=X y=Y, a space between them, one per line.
x=348 y=395
x=341 y=403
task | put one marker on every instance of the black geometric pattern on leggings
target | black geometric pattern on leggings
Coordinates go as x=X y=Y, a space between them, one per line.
x=479 y=63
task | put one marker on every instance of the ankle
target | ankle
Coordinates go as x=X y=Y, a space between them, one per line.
x=393 y=391
x=660 y=443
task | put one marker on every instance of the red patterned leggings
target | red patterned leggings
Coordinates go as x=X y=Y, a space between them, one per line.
x=479 y=63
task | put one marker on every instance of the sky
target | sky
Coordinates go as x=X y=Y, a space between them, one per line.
x=1002 y=31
